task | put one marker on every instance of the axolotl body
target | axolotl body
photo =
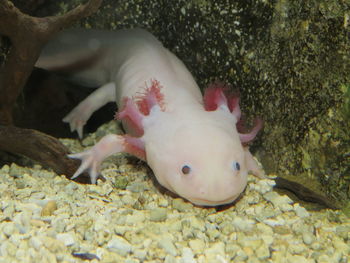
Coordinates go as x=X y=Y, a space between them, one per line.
x=190 y=141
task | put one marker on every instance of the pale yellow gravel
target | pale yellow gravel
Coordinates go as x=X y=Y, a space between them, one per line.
x=45 y=218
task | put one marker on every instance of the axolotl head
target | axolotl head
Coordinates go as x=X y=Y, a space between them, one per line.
x=195 y=150
x=202 y=161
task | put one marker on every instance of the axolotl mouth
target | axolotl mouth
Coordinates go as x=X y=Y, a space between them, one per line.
x=205 y=202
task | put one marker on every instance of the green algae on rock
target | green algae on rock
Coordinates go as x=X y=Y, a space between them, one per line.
x=309 y=62
x=326 y=147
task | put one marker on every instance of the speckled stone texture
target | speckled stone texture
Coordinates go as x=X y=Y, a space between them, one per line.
x=47 y=218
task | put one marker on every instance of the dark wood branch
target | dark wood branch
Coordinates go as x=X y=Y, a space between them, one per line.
x=40 y=147
x=29 y=6
x=304 y=193
x=28 y=35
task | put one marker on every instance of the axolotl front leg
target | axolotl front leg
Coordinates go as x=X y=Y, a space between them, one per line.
x=78 y=117
x=132 y=114
x=91 y=159
x=111 y=144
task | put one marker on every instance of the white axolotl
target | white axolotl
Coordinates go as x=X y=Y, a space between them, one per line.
x=190 y=141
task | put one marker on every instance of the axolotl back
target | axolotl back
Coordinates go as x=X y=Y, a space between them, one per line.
x=191 y=143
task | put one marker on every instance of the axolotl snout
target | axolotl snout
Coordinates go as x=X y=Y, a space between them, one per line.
x=212 y=175
x=190 y=141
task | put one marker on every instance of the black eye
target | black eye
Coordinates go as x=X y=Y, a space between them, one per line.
x=186 y=169
x=236 y=166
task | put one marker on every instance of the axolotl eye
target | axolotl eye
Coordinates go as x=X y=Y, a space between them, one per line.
x=236 y=166
x=186 y=169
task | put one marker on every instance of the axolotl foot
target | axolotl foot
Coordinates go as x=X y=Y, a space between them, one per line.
x=89 y=162
x=92 y=158
x=78 y=117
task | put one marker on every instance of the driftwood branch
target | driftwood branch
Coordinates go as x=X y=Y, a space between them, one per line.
x=304 y=193
x=39 y=147
x=28 y=35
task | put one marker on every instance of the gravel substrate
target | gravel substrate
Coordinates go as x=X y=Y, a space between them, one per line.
x=45 y=217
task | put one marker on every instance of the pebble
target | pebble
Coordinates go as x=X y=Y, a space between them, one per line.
x=53 y=245
x=39 y=195
x=263 y=186
x=167 y=244
x=35 y=242
x=162 y=202
x=119 y=245
x=196 y=223
x=181 y=205
x=274 y=222
x=140 y=254
x=197 y=245
x=343 y=231
x=296 y=248
x=170 y=259
x=299 y=259
x=301 y=211
x=286 y=207
x=67 y=238
x=132 y=260
x=276 y=199
x=137 y=187
x=217 y=248
x=8 y=228
x=49 y=208
x=128 y=200
x=187 y=256
x=136 y=218
x=308 y=238
x=263 y=252
x=243 y=224
x=158 y=214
